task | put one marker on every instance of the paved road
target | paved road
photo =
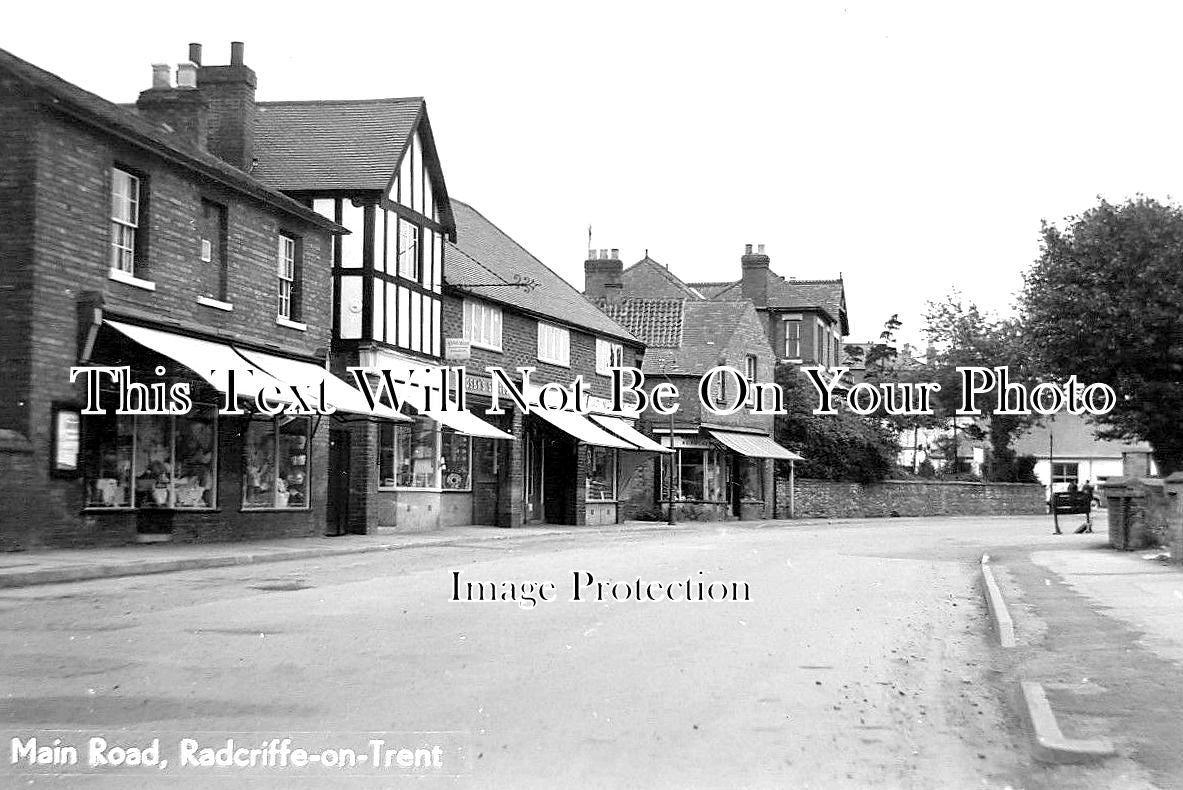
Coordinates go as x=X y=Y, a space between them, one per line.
x=862 y=659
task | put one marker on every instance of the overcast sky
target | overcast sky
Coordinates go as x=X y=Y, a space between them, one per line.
x=913 y=148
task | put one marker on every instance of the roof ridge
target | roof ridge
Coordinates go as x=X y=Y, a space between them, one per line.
x=100 y=113
x=391 y=99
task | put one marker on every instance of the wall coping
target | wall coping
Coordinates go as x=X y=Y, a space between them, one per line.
x=916 y=482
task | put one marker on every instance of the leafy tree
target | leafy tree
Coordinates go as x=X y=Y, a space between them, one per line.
x=961 y=335
x=842 y=446
x=1104 y=301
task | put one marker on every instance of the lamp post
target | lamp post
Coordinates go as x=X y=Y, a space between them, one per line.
x=666 y=365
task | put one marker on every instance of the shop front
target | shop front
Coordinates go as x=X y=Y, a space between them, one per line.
x=718 y=475
x=219 y=469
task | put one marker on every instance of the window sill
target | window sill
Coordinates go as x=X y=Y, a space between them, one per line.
x=485 y=346
x=120 y=276
x=414 y=489
x=215 y=303
x=555 y=363
x=290 y=324
x=304 y=509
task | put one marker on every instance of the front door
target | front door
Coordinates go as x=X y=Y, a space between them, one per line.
x=535 y=469
x=337 y=507
x=735 y=486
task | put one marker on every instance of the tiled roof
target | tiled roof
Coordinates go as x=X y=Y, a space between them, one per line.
x=712 y=290
x=656 y=322
x=321 y=145
x=786 y=293
x=484 y=255
x=1073 y=437
x=89 y=108
x=650 y=279
x=685 y=336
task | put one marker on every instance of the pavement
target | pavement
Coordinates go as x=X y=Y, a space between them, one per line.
x=1100 y=633
x=55 y=566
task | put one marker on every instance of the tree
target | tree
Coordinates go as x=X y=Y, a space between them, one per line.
x=961 y=335
x=1104 y=301
x=842 y=446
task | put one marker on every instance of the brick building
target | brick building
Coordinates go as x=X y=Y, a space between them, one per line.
x=723 y=463
x=563 y=467
x=135 y=238
x=805 y=320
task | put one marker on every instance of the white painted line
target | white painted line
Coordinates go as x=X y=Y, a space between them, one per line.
x=1003 y=625
x=1051 y=746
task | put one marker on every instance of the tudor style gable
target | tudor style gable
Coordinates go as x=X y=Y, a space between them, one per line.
x=372 y=166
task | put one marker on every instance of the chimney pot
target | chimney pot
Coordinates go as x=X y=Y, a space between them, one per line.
x=161 y=75
x=591 y=255
x=195 y=53
x=615 y=253
x=747 y=249
x=187 y=75
x=604 y=254
x=236 y=48
x=760 y=248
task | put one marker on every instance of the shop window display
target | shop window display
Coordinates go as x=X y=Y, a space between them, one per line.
x=601 y=474
x=751 y=478
x=276 y=467
x=423 y=455
x=702 y=478
x=153 y=461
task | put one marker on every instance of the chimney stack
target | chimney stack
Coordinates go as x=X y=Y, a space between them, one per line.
x=161 y=76
x=602 y=275
x=230 y=91
x=181 y=108
x=755 y=273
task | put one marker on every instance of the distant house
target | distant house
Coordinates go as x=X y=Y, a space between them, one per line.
x=723 y=462
x=1067 y=451
x=805 y=320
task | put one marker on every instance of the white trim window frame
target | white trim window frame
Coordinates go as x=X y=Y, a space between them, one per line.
x=608 y=355
x=554 y=345
x=286 y=273
x=125 y=220
x=792 y=325
x=482 y=324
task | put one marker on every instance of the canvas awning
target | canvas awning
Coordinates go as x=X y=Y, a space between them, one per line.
x=581 y=428
x=753 y=445
x=212 y=361
x=625 y=430
x=340 y=395
x=411 y=382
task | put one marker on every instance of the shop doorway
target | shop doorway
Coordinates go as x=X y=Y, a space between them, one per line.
x=337 y=507
x=535 y=471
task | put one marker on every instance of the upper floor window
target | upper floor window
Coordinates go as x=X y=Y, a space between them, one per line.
x=288 y=271
x=482 y=324
x=554 y=345
x=125 y=220
x=213 y=249
x=793 y=338
x=821 y=352
x=608 y=355
x=408 y=250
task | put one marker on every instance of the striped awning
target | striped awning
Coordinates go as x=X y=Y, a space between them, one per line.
x=753 y=445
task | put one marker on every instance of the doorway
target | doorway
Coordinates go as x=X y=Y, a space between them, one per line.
x=337 y=507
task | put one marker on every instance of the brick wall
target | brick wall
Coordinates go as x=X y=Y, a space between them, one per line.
x=60 y=251
x=827 y=499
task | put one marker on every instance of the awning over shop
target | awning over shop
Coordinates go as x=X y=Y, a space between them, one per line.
x=753 y=445
x=626 y=431
x=411 y=382
x=340 y=395
x=212 y=361
x=581 y=428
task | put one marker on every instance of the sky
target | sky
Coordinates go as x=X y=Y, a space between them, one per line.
x=913 y=148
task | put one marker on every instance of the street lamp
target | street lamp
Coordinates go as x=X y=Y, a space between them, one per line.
x=666 y=366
